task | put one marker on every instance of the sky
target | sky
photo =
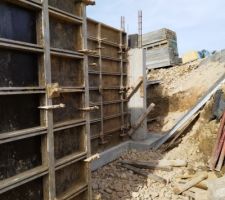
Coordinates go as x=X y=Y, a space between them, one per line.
x=199 y=24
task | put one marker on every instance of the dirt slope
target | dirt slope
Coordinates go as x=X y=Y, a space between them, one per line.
x=181 y=88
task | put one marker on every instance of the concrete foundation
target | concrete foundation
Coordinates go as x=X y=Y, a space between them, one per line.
x=114 y=153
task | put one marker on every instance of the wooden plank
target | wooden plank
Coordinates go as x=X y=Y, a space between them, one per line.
x=141 y=119
x=145 y=174
x=136 y=87
x=181 y=188
x=22 y=178
x=147 y=165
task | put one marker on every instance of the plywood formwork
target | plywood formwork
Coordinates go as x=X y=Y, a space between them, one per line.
x=43 y=143
x=107 y=84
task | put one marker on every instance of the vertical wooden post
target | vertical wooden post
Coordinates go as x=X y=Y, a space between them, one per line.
x=85 y=65
x=100 y=80
x=121 y=83
x=48 y=144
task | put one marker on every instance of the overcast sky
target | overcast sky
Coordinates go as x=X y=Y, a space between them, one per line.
x=199 y=24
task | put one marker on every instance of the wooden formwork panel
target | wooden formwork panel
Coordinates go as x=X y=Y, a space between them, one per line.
x=95 y=114
x=107 y=78
x=70 y=6
x=73 y=103
x=111 y=95
x=32 y=190
x=125 y=80
x=19 y=112
x=65 y=35
x=111 y=80
x=110 y=51
x=81 y=196
x=17 y=23
x=67 y=71
x=93 y=64
x=110 y=34
x=19 y=156
x=95 y=129
x=70 y=178
x=94 y=96
x=43 y=146
x=18 y=69
x=92 y=45
x=111 y=66
x=94 y=80
x=112 y=124
x=74 y=139
x=111 y=109
x=125 y=67
x=92 y=28
x=113 y=139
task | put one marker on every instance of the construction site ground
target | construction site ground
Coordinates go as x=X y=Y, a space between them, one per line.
x=181 y=88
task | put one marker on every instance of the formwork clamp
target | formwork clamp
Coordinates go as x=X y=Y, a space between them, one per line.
x=92 y=158
x=89 y=2
x=88 y=109
x=51 y=107
x=87 y=51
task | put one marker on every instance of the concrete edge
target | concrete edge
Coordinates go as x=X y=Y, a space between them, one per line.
x=117 y=151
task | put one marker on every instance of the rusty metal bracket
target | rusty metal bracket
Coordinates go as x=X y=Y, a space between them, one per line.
x=92 y=158
x=123 y=90
x=88 y=109
x=89 y=2
x=87 y=51
x=53 y=90
x=124 y=130
x=61 y=105
x=93 y=64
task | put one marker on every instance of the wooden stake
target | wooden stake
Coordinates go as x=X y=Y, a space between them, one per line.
x=146 y=165
x=141 y=119
x=181 y=188
x=145 y=174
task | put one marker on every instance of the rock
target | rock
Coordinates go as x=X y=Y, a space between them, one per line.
x=95 y=186
x=120 y=194
x=154 y=194
x=123 y=176
x=118 y=187
x=216 y=189
x=109 y=191
x=97 y=196
x=135 y=194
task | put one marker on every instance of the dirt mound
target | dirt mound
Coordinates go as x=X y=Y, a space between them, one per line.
x=181 y=88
